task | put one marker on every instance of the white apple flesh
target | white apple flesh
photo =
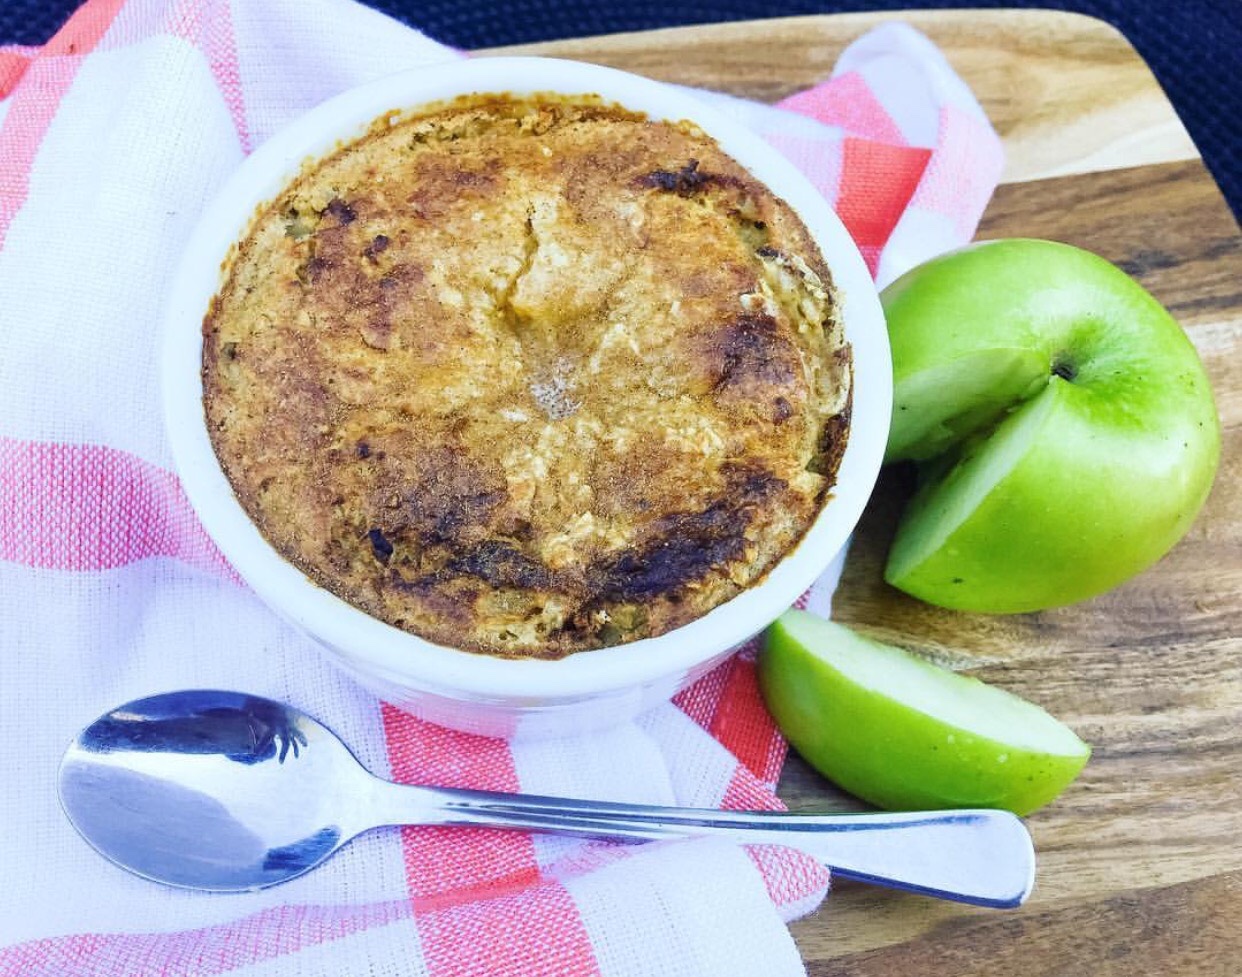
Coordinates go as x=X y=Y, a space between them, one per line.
x=1066 y=421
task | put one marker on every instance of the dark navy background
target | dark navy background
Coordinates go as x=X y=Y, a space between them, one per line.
x=1193 y=46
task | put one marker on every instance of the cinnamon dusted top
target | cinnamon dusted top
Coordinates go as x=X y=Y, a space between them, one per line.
x=528 y=377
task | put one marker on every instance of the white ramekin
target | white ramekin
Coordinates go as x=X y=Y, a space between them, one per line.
x=467 y=691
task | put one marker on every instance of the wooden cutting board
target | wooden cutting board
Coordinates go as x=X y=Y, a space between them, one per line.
x=1140 y=862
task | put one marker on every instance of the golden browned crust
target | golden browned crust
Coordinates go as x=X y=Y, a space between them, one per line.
x=528 y=377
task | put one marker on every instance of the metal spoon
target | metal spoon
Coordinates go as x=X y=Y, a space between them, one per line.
x=231 y=792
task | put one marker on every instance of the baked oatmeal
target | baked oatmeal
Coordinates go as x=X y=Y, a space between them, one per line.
x=528 y=376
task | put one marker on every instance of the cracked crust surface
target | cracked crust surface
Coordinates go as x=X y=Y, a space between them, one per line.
x=528 y=377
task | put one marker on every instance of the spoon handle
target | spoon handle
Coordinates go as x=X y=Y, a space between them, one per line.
x=982 y=857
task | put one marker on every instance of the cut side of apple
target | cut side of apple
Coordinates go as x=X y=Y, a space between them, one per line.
x=940 y=510
x=946 y=402
x=905 y=734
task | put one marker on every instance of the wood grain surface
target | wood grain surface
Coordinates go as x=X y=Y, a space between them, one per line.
x=1140 y=862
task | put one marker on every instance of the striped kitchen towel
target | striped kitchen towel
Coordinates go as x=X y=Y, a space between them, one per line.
x=113 y=136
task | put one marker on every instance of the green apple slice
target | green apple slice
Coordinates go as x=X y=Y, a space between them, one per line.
x=1065 y=421
x=905 y=734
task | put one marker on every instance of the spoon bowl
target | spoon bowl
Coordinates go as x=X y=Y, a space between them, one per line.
x=230 y=792
x=210 y=790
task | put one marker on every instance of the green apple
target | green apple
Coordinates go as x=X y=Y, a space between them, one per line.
x=905 y=734
x=1065 y=422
